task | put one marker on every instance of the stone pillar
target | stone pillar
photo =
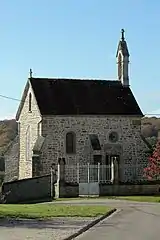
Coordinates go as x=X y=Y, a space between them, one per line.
x=59 y=186
x=112 y=170
x=116 y=171
x=61 y=164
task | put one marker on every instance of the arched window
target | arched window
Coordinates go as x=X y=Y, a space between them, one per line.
x=70 y=142
x=30 y=102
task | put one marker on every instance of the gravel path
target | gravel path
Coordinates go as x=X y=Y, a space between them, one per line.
x=55 y=229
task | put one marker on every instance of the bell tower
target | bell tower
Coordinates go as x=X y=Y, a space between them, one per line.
x=123 y=60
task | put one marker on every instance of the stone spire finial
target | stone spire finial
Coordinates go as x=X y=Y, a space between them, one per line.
x=30 y=73
x=122 y=36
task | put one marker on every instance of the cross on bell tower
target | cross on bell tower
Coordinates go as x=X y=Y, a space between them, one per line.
x=30 y=73
x=122 y=32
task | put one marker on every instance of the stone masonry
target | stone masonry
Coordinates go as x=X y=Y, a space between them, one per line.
x=129 y=146
x=29 y=129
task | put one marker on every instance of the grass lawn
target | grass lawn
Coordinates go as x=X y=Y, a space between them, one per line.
x=131 y=198
x=42 y=211
x=140 y=198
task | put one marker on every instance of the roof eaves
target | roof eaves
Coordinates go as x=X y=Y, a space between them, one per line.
x=22 y=100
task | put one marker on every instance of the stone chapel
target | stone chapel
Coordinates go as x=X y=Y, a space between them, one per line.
x=83 y=121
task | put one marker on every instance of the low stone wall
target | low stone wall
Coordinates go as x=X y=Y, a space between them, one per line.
x=66 y=189
x=29 y=190
x=129 y=190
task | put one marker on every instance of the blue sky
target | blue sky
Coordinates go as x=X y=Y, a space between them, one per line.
x=78 y=39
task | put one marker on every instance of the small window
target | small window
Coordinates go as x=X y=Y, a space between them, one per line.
x=70 y=142
x=136 y=122
x=95 y=142
x=30 y=102
x=113 y=137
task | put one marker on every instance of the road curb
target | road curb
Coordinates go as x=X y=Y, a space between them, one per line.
x=88 y=226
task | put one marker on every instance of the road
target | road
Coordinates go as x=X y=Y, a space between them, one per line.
x=133 y=221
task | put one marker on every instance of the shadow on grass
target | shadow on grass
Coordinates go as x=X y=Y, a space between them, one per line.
x=61 y=223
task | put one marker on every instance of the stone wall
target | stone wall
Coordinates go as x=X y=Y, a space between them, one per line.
x=11 y=160
x=129 y=146
x=72 y=190
x=66 y=190
x=29 y=128
x=129 y=190
x=28 y=190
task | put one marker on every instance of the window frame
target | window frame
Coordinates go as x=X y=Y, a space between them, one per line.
x=30 y=102
x=71 y=146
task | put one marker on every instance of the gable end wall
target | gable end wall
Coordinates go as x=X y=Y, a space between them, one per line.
x=28 y=121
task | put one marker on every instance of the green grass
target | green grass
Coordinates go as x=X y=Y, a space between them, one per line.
x=44 y=211
x=140 y=198
x=131 y=198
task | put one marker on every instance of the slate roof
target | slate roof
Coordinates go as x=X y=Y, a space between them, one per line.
x=86 y=97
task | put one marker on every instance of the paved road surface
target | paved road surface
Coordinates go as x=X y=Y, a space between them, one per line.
x=108 y=202
x=133 y=221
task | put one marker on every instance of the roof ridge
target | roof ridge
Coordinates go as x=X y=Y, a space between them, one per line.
x=80 y=79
